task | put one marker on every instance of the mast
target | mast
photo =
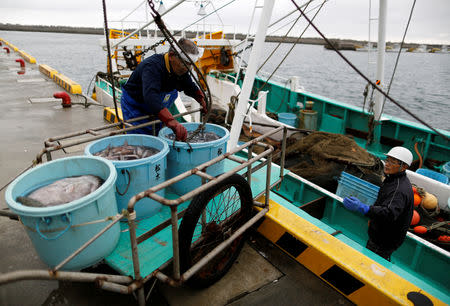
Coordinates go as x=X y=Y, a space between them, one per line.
x=380 y=57
x=250 y=73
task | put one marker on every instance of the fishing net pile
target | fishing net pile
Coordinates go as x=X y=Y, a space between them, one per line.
x=320 y=157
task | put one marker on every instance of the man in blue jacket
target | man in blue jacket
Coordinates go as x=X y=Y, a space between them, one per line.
x=390 y=215
x=153 y=87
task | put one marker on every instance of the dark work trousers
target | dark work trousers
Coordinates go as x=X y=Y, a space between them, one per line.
x=383 y=252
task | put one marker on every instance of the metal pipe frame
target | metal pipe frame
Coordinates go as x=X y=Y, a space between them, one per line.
x=89 y=242
x=50 y=146
x=112 y=282
x=134 y=252
x=62 y=276
x=195 y=268
x=274 y=126
x=151 y=192
x=175 y=243
x=177 y=278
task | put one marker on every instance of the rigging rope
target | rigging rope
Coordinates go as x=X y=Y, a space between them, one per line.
x=366 y=78
x=398 y=55
x=110 y=61
x=285 y=36
x=279 y=43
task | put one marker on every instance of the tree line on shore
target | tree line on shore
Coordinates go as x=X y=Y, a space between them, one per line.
x=189 y=34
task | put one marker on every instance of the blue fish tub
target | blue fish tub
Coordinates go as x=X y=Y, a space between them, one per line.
x=58 y=231
x=288 y=118
x=135 y=176
x=183 y=157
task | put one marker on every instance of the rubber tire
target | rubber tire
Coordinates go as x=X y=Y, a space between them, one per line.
x=193 y=216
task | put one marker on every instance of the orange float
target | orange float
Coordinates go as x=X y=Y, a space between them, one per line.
x=420 y=229
x=417 y=199
x=415 y=218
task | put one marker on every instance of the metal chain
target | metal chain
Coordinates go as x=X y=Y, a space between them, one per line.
x=152 y=47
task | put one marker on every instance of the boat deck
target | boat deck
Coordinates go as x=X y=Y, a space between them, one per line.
x=263 y=274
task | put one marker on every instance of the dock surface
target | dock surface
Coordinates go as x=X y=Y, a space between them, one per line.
x=262 y=275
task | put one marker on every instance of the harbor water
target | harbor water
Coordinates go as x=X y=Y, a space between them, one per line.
x=420 y=83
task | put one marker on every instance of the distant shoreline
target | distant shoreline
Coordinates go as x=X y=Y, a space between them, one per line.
x=99 y=31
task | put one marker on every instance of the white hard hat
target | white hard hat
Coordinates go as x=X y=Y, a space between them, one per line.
x=402 y=154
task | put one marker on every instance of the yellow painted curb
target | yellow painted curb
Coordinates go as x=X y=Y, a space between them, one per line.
x=109 y=114
x=27 y=57
x=47 y=70
x=358 y=277
x=66 y=83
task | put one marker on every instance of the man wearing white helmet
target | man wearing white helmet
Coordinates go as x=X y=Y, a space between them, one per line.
x=391 y=213
x=153 y=87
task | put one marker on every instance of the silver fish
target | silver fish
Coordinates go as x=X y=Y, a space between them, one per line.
x=126 y=152
x=199 y=137
x=62 y=191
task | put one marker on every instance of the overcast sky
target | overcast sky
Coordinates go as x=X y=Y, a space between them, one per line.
x=338 y=18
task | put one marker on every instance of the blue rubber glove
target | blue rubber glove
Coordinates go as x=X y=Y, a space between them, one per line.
x=354 y=204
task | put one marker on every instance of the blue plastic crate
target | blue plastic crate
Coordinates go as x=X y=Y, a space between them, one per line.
x=433 y=175
x=351 y=186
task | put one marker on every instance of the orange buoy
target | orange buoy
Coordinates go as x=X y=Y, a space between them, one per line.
x=420 y=229
x=415 y=218
x=417 y=200
x=444 y=238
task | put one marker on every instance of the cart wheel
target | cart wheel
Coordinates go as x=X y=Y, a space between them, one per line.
x=227 y=206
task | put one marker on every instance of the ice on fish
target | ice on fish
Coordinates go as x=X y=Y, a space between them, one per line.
x=126 y=152
x=62 y=191
x=199 y=137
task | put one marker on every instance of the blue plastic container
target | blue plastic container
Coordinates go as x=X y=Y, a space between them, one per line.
x=53 y=230
x=433 y=175
x=446 y=169
x=351 y=186
x=135 y=176
x=288 y=118
x=181 y=158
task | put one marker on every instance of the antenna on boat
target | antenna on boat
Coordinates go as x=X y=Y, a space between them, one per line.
x=381 y=52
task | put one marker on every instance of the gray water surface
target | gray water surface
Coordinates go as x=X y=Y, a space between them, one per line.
x=421 y=83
